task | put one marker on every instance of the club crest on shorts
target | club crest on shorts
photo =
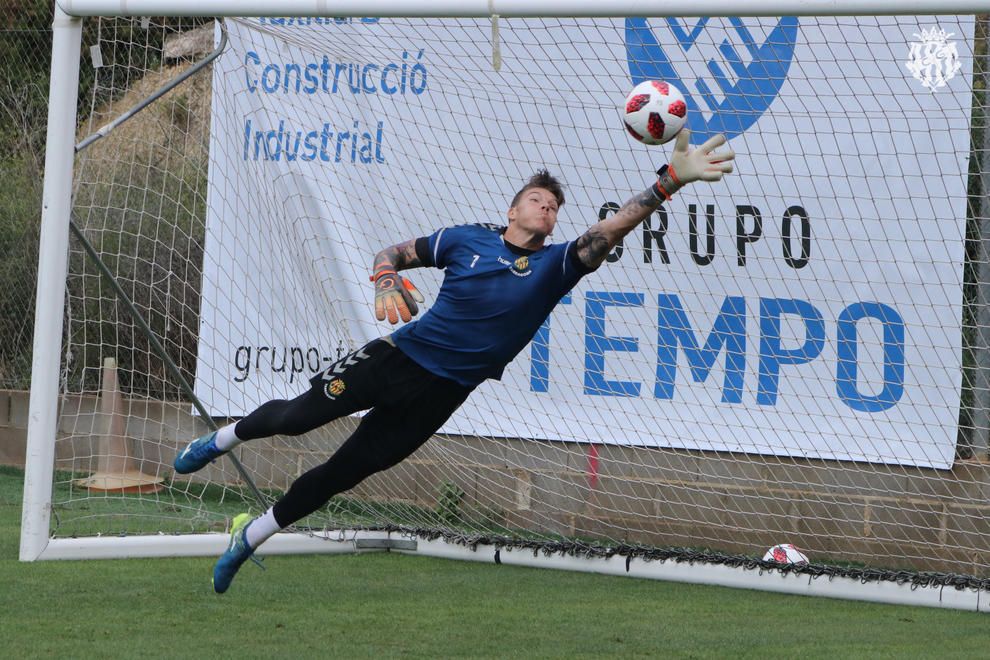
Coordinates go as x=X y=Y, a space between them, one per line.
x=335 y=388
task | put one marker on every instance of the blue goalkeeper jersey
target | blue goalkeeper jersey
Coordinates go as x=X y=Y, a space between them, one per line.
x=493 y=299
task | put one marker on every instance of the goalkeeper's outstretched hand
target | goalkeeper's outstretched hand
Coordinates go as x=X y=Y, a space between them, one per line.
x=395 y=297
x=688 y=165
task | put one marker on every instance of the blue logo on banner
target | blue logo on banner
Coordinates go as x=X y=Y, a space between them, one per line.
x=744 y=100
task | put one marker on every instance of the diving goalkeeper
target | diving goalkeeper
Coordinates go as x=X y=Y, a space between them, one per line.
x=500 y=284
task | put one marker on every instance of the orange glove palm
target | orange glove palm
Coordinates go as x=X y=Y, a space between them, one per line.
x=395 y=297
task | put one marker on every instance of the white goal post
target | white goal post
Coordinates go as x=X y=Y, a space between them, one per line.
x=799 y=355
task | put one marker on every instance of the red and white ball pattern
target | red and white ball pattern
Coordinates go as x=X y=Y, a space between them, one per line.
x=655 y=112
x=786 y=553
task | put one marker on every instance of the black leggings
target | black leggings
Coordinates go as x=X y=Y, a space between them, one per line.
x=408 y=404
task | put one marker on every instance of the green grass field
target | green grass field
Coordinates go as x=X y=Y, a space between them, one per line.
x=384 y=605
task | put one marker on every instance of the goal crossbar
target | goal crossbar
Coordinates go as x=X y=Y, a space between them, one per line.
x=514 y=8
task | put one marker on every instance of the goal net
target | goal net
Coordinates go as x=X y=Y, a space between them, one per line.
x=791 y=355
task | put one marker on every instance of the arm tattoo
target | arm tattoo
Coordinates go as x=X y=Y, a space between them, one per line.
x=592 y=247
x=595 y=244
x=634 y=211
x=398 y=257
x=645 y=199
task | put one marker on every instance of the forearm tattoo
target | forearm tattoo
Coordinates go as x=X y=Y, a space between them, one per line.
x=592 y=247
x=634 y=211
x=644 y=200
x=398 y=257
x=595 y=244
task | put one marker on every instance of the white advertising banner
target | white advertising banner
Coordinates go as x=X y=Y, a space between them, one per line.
x=819 y=316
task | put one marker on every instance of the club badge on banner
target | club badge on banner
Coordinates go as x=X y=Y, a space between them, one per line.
x=808 y=305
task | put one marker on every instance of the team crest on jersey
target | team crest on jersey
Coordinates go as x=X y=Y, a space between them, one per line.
x=335 y=388
x=520 y=267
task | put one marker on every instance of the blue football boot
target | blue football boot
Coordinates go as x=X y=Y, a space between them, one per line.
x=197 y=454
x=238 y=551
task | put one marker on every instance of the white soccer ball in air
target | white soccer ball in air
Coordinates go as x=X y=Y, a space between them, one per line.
x=785 y=553
x=655 y=112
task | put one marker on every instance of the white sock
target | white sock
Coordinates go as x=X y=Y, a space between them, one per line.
x=262 y=528
x=226 y=438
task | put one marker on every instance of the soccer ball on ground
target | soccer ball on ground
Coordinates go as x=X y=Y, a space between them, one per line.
x=785 y=553
x=655 y=112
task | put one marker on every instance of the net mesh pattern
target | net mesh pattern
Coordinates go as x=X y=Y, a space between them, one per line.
x=142 y=197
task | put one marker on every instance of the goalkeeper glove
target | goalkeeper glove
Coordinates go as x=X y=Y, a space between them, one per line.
x=395 y=296
x=687 y=165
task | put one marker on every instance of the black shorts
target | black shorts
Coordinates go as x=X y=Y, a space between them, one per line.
x=381 y=375
x=412 y=402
